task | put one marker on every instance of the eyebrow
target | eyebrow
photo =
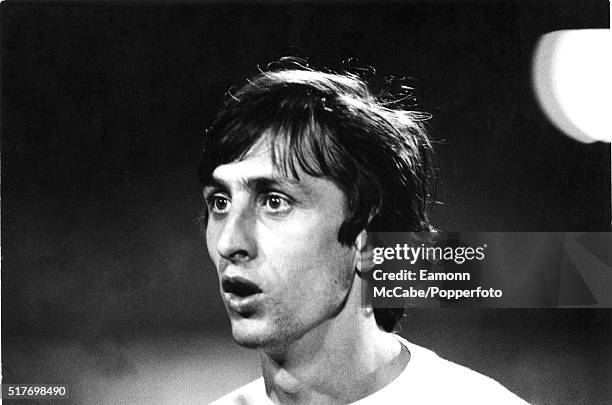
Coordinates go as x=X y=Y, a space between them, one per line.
x=257 y=183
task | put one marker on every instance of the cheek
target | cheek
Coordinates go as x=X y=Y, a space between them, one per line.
x=316 y=268
x=211 y=243
x=308 y=240
x=305 y=248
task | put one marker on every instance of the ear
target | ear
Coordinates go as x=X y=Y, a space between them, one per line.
x=364 y=253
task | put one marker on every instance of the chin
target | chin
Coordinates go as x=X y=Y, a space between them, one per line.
x=249 y=334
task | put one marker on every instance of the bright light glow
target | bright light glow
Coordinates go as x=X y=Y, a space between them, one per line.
x=571 y=75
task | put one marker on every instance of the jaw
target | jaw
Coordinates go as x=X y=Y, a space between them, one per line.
x=337 y=328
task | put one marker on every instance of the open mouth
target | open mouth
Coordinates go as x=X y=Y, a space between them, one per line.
x=240 y=287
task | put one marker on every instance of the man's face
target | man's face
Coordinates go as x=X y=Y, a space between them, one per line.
x=274 y=242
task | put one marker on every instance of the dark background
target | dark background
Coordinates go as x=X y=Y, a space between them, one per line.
x=106 y=283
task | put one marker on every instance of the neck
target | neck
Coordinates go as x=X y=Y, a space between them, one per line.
x=342 y=360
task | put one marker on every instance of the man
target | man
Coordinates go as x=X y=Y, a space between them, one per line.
x=297 y=168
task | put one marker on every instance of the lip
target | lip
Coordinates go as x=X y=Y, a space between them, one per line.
x=242 y=305
x=239 y=286
x=241 y=295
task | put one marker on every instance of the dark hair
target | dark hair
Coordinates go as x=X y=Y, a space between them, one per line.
x=330 y=125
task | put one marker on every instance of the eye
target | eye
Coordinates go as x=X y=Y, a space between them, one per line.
x=276 y=204
x=218 y=204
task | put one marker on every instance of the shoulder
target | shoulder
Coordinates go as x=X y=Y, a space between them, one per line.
x=438 y=380
x=251 y=393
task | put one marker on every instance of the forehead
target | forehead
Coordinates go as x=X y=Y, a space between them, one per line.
x=257 y=164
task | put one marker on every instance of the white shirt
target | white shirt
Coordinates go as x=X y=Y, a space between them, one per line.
x=427 y=380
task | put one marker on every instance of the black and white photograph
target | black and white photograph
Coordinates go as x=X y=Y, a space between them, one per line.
x=306 y=202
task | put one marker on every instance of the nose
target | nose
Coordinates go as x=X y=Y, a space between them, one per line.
x=236 y=241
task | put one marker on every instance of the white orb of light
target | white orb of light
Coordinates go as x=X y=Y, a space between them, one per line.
x=571 y=75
